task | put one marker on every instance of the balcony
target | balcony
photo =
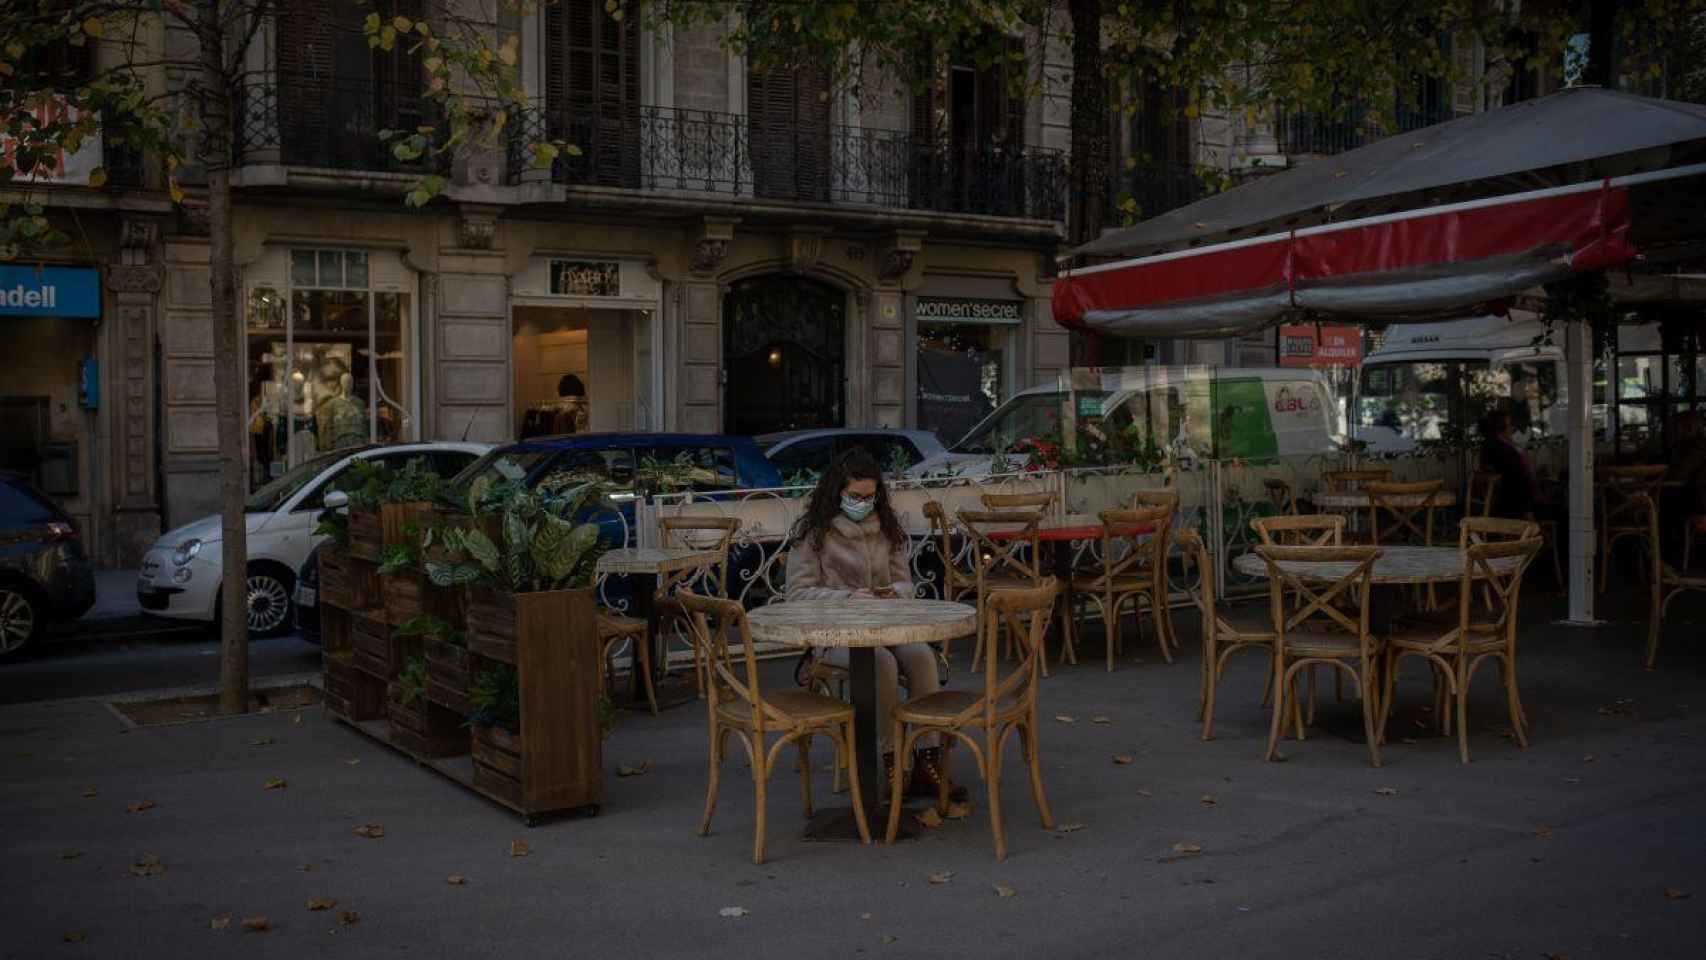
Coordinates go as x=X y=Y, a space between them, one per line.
x=1301 y=132
x=331 y=122
x=1145 y=192
x=662 y=149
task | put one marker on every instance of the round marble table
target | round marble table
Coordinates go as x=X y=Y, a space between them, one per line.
x=1396 y=565
x=643 y=566
x=861 y=626
x=1358 y=499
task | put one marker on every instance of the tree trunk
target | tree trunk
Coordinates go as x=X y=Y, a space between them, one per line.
x=216 y=81
x=1089 y=122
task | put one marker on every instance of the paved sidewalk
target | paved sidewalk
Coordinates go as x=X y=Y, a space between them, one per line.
x=1566 y=848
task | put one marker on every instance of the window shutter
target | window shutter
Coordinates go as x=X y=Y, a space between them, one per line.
x=788 y=131
x=592 y=91
x=305 y=72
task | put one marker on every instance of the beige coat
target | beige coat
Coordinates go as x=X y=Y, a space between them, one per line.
x=854 y=556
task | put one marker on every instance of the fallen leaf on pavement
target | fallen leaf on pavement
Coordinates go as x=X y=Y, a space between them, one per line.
x=1408 y=740
x=306 y=868
x=1386 y=791
x=275 y=783
x=928 y=818
x=864 y=916
x=1590 y=758
x=70 y=854
x=456 y=880
x=644 y=768
x=221 y=922
x=348 y=917
x=732 y=912
x=321 y=903
x=1672 y=893
x=352 y=761
x=888 y=939
x=1100 y=720
x=140 y=806
x=1003 y=890
x=1543 y=832
x=148 y=866
x=372 y=831
x=1072 y=827
x=261 y=741
x=89 y=792
x=1122 y=759
x=519 y=848
x=959 y=810
x=943 y=877
x=256 y=924
x=1145 y=794
x=75 y=936
x=1208 y=800
x=1187 y=848
x=1063 y=718
x=1572 y=779
x=297 y=719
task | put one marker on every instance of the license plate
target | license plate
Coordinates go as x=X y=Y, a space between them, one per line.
x=307 y=596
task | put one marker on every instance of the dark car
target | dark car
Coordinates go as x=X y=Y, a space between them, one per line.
x=44 y=576
x=636 y=464
x=307 y=598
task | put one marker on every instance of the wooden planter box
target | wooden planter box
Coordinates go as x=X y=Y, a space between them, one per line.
x=552 y=640
x=370 y=637
x=423 y=729
x=447 y=675
x=335 y=577
x=497 y=763
x=396 y=519
x=351 y=694
x=403 y=596
x=365 y=534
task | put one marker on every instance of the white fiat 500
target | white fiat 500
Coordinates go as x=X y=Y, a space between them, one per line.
x=182 y=573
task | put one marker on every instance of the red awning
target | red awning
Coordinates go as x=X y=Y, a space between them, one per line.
x=1433 y=261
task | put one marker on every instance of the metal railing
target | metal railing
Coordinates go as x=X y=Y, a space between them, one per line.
x=668 y=149
x=1303 y=132
x=1145 y=192
x=313 y=120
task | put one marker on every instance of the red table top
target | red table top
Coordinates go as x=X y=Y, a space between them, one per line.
x=1074 y=528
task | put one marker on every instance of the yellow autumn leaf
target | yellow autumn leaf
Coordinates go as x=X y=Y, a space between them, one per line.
x=177 y=191
x=403 y=24
x=93 y=27
x=506 y=53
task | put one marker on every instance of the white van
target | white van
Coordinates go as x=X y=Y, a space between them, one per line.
x=1427 y=377
x=1195 y=413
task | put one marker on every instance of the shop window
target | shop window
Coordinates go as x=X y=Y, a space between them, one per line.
x=961 y=376
x=330 y=361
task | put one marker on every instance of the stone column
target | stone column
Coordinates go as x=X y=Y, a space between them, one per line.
x=131 y=489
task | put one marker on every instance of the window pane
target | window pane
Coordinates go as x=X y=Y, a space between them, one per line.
x=267 y=431
x=302 y=268
x=331 y=268
x=355 y=269
x=1640 y=377
x=959 y=376
x=266 y=309
x=393 y=362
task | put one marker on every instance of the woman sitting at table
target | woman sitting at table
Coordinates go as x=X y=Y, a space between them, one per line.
x=1518 y=496
x=849 y=544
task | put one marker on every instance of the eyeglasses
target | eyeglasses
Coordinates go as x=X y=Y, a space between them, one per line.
x=856 y=498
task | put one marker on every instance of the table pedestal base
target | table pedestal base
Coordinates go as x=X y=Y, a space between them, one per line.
x=837 y=824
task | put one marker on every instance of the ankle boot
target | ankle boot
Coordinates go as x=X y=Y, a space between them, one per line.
x=927 y=774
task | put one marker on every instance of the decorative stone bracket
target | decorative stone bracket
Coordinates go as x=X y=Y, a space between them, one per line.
x=713 y=245
x=898 y=254
x=476 y=226
x=805 y=247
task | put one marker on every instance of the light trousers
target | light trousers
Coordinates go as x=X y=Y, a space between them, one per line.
x=919 y=663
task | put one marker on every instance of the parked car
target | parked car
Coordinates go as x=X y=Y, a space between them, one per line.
x=307 y=596
x=635 y=464
x=182 y=574
x=797 y=452
x=44 y=576
x=1191 y=413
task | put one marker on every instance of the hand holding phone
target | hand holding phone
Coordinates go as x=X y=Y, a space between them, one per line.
x=885 y=593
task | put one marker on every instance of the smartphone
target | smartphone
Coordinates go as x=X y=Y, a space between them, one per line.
x=885 y=593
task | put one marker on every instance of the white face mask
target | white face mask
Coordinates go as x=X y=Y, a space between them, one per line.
x=856 y=509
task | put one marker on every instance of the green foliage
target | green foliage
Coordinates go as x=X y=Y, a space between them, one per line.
x=668 y=476
x=543 y=547
x=365 y=482
x=496 y=699
x=414 y=483
x=396 y=558
x=427 y=625
x=334 y=524
x=411 y=681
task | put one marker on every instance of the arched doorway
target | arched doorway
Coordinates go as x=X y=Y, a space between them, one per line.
x=784 y=343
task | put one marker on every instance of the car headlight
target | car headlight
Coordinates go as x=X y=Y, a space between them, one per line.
x=186 y=552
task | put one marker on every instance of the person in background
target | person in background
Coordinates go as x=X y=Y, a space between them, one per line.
x=1687 y=500
x=1519 y=495
x=848 y=544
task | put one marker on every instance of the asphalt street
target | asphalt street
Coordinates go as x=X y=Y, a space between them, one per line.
x=103 y=664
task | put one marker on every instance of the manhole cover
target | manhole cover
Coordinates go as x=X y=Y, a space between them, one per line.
x=206 y=706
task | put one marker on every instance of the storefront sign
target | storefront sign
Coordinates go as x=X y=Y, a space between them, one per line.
x=50 y=292
x=969 y=310
x=586 y=278
x=1308 y=345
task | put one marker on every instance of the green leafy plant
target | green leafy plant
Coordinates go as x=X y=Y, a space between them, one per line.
x=396 y=558
x=496 y=699
x=542 y=547
x=334 y=524
x=365 y=483
x=411 y=682
x=414 y=483
x=669 y=476
x=427 y=625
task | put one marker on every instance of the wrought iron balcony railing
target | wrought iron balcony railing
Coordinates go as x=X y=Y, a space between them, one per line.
x=1301 y=132
x=665 y=149
x=1149 y=191
x=327 y=121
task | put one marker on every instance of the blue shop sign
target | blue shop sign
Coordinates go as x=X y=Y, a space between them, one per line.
x=27 y=291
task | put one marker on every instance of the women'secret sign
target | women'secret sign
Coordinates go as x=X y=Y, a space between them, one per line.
x=1308 y=345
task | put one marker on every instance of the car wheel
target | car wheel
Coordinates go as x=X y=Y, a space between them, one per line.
x=269 y=601
x=20 y=618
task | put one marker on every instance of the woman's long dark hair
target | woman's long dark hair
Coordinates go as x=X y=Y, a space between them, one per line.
x=823 y=504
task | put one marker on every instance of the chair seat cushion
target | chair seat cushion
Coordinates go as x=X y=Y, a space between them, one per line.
x=797 y=704
x=1300 y=643
x=944 y=705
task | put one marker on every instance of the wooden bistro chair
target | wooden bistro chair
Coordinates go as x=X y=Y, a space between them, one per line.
x=1350 y=481
x=1040 y=502
x=1330 y=627
x=1134 y=568
x=1456 y=653
x=1281 y=496
x=983 y=720
x=739 y=705
x=957 y=581
x=1620 y=516
x=1302 y=530
x=1483 y=484
x=1013 y=562
x=1393 y=519
x=1667 y=581
x=1225 y=630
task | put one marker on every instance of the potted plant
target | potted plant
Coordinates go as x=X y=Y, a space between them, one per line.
x=335 y=582
x=415 y=724
x=364 y=485
x=446 y=653
x=495 y=719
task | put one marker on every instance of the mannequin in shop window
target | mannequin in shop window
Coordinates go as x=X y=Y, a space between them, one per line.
x=566 y=414
x=261 y=433
x=339 y=419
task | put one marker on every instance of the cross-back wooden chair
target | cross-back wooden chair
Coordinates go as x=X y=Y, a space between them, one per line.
x=957 y=581
x=1483 y=485
x=738 y=704
x=1040 y=502
x=983 y=720
x=1350 y=481
x=1402 y=512
x=1330 y=626
x=1667 y=583
x=1134 y=568
x=1012 y=561
x=1225 y=630
x=1280 y=495
x=1301 y=530
x=1455 y=654
x=1167 y=497
x=694 y=533
x=1617 y=490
